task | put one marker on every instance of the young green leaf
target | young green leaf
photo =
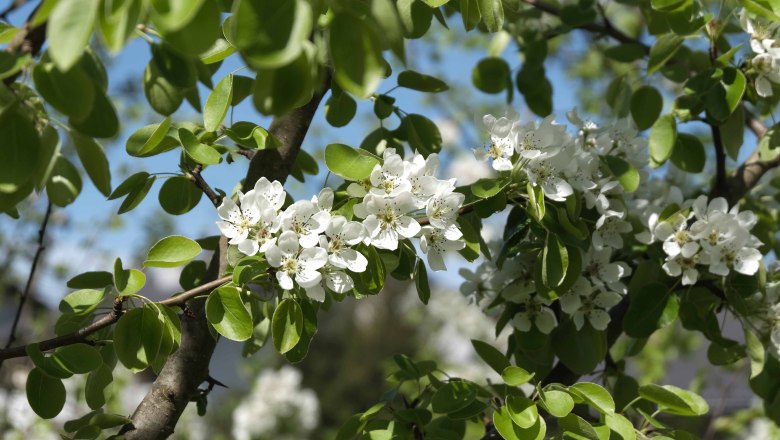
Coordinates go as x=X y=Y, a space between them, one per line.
x=494 y=358
x=287 y=325
x=595 y=395
x=349 y=163
x=626 y=174
x=421 y=282
x=356 y=53
x=179 y=195
x=421 y=82
x=227 y=313
x=94 y=160
x=646 y=106
x=199 y=152
x=218 y=103
x=663 y=137
x=515 y=376
x=688 y=153
x=172 y=251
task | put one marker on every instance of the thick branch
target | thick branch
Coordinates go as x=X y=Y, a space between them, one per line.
x=33 y=268
x=720 y=160
x=197 y=179
x=187 y=368
x=753 y=169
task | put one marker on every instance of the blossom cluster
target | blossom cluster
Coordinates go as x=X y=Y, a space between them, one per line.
x=710 y=235
x=766 y=60
x=313 y=247
x=563 y=165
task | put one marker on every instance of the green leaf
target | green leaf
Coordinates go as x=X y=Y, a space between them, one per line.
x=102 y=121
x=45 y=394
x=662 y=51
x=732 y=132
x=735 y=84
x=423 y=134
x=620 y=425
x=492 y=13
x=64 y=183
x=557 y=403
x=287 y=325
x=91 y=280
x=269 y=33
x=646 y=106
x=299 y=351
x=94 y=160
x=673 y=400
x=199 y=34
x=537 y=90
x=21 y=152
x=71 y=92
x=356 y=54
x=199 y=152
x=117 y=23
x=227 y=313
x=218 y=103
x=625 y=53
x=491 y=75
x=663 y=137
x=95 y=386
x=688 y=153
x=349 y=163
x=385 y=14
x=516 y=376
x=511 y=431
x=84 y=301
x=218 y=51
x=136 y=196
x=494 y=358
x=453 y=396
x=576 y=425
x=372 y=280
x=78 y=358
x=151 y=140
x=137 y=337
x=340 y=108
x=595 y=395
x=626 y=174
x=172 y=251
x=668 y=5
x=68 y=29
x=421 y=282
x=522 y=411
x=416 y=17
x=164 y=97
x=173 y=66
x=49 y=149
x=277 y=91
x=580 y=350
x=555 y=261
x=178 y=195
x=421 y=82
x=645 y=309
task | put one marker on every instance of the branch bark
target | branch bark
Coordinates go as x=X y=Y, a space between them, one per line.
x=187 y=368
x=28 y=40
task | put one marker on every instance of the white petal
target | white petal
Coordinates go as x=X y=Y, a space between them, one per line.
x=408 y=227
x=436 y=261
x=599 y=319
x=249 y=246
x=288 y=243
x=308 y=278
x=285 y=282
x=339 y=282
x=316 y=292
x=546 y=321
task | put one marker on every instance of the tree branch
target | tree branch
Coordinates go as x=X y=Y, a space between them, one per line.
x=28 y=40
x=197 y=179
x=720 y=160
x=82 y=334
x=33 y=268
x=187 y=368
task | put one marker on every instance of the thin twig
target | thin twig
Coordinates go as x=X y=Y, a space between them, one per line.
x=14 y=5
x=28 y=40
x=33 y=268
x=197 y=179
x=82 y=334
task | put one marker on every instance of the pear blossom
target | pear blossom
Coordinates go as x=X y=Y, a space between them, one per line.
x=238 y=222
x=339 y=236
x=584 y=301
x=536 y=312
x=442 y=208
x=273 y=192
x=503 y=138
x=387 y=220
x=334 y=279
x=546 y=171
x=534 y=141
x=603 y=272
x=435 y=244
x=292 y=263
x=676 y=237
x=680 y=264
x=733 y=254
x=306 y=221
x=609 y=228
x=390 y=178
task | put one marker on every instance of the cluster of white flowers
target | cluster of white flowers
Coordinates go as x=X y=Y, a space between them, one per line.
x=711 y=235
x=312 y=247
x=277 y=407
x=565 y=165
x=766 y=60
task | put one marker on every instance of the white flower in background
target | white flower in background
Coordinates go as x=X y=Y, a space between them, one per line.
x=478 y=284
x=734 y=253
x=545 y=139
x=609 y=228
x=584 y=301
x=598 y=197
x=306 y=220
x=622 y=139
x=273 y=192
x=467 y=170
x=435 y=244
x=601 y=271
x=303 y=266
x=767 y=69
x=277 y=407
x=339 y=236
x=682 y=265
x=387 y=220
x=585 y=127
x=237 y=221
x=676 y=237
x=390 y=178
x=503 y=139
x=584 y=174
x=536 y=312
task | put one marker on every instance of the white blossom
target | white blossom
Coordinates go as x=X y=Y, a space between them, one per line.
x=305 y=220
x=339 y=236
x=296 y=264
x=387 y=220
x=584 y=301
x=435 y=244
